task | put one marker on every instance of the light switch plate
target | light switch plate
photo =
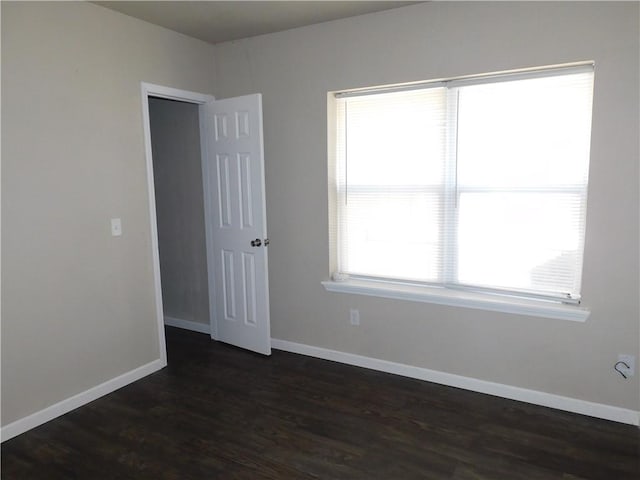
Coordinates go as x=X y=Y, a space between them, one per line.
x=116 y=227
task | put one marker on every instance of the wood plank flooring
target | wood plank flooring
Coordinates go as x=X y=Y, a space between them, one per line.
x=217 y=412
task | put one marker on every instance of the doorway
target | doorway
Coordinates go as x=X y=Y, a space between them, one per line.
x=233 y=193
x=153 y=92
x=177 y=174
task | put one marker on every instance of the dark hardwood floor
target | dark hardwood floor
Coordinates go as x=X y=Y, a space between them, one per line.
x=218 y=412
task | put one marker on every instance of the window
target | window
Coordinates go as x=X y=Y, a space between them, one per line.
x=476 y=183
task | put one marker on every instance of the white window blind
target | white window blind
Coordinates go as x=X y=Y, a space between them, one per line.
x=478 y=183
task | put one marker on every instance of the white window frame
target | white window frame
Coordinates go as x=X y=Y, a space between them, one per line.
x=445 y=294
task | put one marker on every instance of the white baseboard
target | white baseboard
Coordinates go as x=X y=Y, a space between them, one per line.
x=35 y=419
x=599 y=410
x=188 y=325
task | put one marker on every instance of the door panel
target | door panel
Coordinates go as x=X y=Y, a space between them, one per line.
x=234 y=167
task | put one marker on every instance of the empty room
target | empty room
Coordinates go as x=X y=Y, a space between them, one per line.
x=328 y=240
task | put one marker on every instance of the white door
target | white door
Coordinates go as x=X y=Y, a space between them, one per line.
x=236 y=223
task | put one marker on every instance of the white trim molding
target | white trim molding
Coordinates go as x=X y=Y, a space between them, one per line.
x=459 y=298
x=43 y=416
x=574 y=405
x=187 y=325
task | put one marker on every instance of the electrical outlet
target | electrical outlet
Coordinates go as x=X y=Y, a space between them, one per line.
x=354 y=316
x=629 y=360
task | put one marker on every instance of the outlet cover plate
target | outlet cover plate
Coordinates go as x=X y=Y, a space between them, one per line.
x=354 y=316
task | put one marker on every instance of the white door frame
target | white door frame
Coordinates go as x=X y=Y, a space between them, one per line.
x=151 y=90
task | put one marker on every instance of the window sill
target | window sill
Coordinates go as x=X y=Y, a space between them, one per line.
x=455 y=298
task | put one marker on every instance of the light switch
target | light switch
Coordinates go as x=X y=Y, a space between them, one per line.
x=116 y=227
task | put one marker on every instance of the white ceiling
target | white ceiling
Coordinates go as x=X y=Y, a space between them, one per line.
x=216 y=22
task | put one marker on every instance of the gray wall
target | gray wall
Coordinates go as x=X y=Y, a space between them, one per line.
x=295 y=69
x=177 y=170
x=78 y=304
